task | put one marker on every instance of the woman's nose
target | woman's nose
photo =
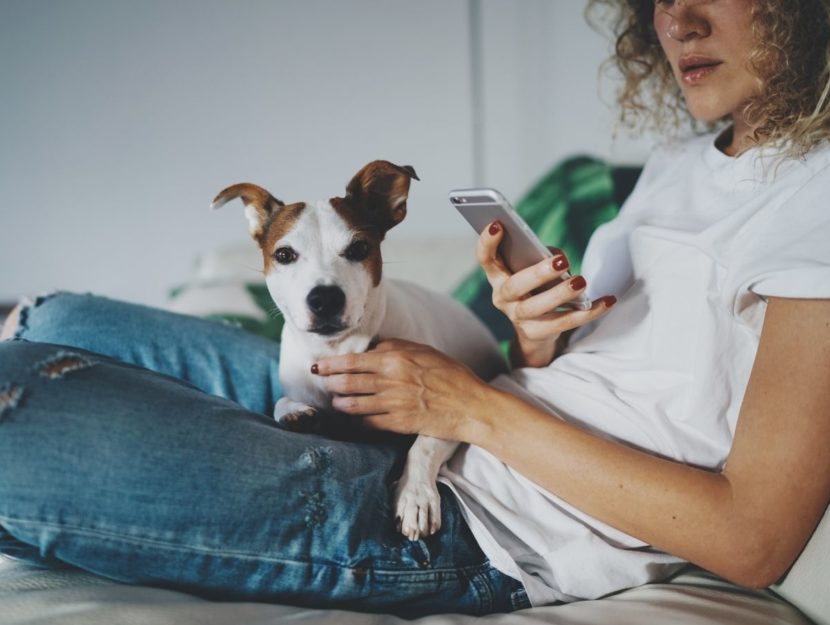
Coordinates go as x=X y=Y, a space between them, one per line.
x=687 y=20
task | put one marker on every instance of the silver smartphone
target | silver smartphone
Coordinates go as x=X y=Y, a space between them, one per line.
x=520 y=247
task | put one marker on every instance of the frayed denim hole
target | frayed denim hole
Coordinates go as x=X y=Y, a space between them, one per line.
x=10 y=396
x=28 y=306
x=315 y=508
x=57 y=366
x=23 y=317
x=319 y=461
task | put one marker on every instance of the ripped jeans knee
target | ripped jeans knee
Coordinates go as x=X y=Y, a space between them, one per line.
x=10 y=395
x=216 y=358
x=64 y=362
x=43 y=318
x=28 y=362
x=17 y=321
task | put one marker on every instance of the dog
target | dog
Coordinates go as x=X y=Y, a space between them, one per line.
x=323 y=268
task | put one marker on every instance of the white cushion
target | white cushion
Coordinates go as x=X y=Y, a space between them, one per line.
x=807 y=584
x=29 y=594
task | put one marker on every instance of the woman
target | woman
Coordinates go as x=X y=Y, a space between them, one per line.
x=694 y=413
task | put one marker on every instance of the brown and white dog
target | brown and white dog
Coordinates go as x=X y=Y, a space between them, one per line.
x=323 y=266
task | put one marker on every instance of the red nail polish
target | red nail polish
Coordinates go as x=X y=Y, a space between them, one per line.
x=560 y=263
x=610 y=300
x=494 y=228
x=578 y=283
x=315 y=369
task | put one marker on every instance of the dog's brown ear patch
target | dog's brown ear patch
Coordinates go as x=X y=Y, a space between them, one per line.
x=260 y=205
x=278 y=225
x=381 y=189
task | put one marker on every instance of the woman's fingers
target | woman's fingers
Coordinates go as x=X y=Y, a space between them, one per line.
x=365 y=362
x=351 y=383
x=522 y=283
x=559 y=322
x=357 y=404
x=487 y=254
x=370 y=372
x=550 y=299
x=507 y=286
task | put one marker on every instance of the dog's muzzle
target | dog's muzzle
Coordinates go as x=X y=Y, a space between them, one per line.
x=326 y=304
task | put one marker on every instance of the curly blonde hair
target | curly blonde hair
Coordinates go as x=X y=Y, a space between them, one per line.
x=791 y=58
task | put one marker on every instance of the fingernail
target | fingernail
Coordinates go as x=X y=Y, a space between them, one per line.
x=560 y=263
x=578 y=283
x=494 y=228
x=315 y=369
x=609 y=300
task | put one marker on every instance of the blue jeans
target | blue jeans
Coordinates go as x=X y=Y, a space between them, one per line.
x=137 y=444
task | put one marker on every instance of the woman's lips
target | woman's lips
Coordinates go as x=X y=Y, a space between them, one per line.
x=694 y=71
x=694 y=76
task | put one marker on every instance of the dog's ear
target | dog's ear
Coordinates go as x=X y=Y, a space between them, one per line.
x=381 y=188
x=259 y=204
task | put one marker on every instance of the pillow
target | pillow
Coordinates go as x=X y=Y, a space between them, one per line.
x=237 y=302
x=805 y=585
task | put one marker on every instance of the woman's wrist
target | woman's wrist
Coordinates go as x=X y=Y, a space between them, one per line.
x=480 y=416
x=524 y=353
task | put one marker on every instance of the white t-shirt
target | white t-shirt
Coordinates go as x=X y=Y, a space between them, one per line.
x=696 y=249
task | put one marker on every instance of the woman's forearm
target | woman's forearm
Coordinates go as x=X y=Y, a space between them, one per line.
x=747 y=523
x=737 y=523
x=676 y=508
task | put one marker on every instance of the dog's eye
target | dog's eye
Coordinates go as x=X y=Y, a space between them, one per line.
x=285 y=255
x=357 y=251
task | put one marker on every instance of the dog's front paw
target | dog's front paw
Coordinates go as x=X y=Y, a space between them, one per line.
x=417 y=507
x=294 y=415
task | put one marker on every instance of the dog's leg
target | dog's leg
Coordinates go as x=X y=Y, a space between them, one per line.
x=288 y=413
x=417 y=502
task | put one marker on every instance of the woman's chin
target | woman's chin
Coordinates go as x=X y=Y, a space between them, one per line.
x=706 y=113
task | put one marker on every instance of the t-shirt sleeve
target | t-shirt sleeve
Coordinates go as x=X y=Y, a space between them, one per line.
x=788 y=253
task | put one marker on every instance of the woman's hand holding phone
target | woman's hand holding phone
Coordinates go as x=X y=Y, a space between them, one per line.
x=533 y=298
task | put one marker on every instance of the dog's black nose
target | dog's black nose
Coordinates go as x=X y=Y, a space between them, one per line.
x=326 y=301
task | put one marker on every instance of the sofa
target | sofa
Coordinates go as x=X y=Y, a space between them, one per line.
x=563 y=207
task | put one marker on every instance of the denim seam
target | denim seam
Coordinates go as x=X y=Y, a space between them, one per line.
x=472 y=572
x=481 y=583
x=519 y=599
x=137 y=540
x=422 y=576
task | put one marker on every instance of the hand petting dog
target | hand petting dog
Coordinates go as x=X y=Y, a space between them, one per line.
x=404 y=387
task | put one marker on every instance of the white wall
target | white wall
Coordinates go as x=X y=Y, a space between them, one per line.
x=544 y=98
x=120 y=120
